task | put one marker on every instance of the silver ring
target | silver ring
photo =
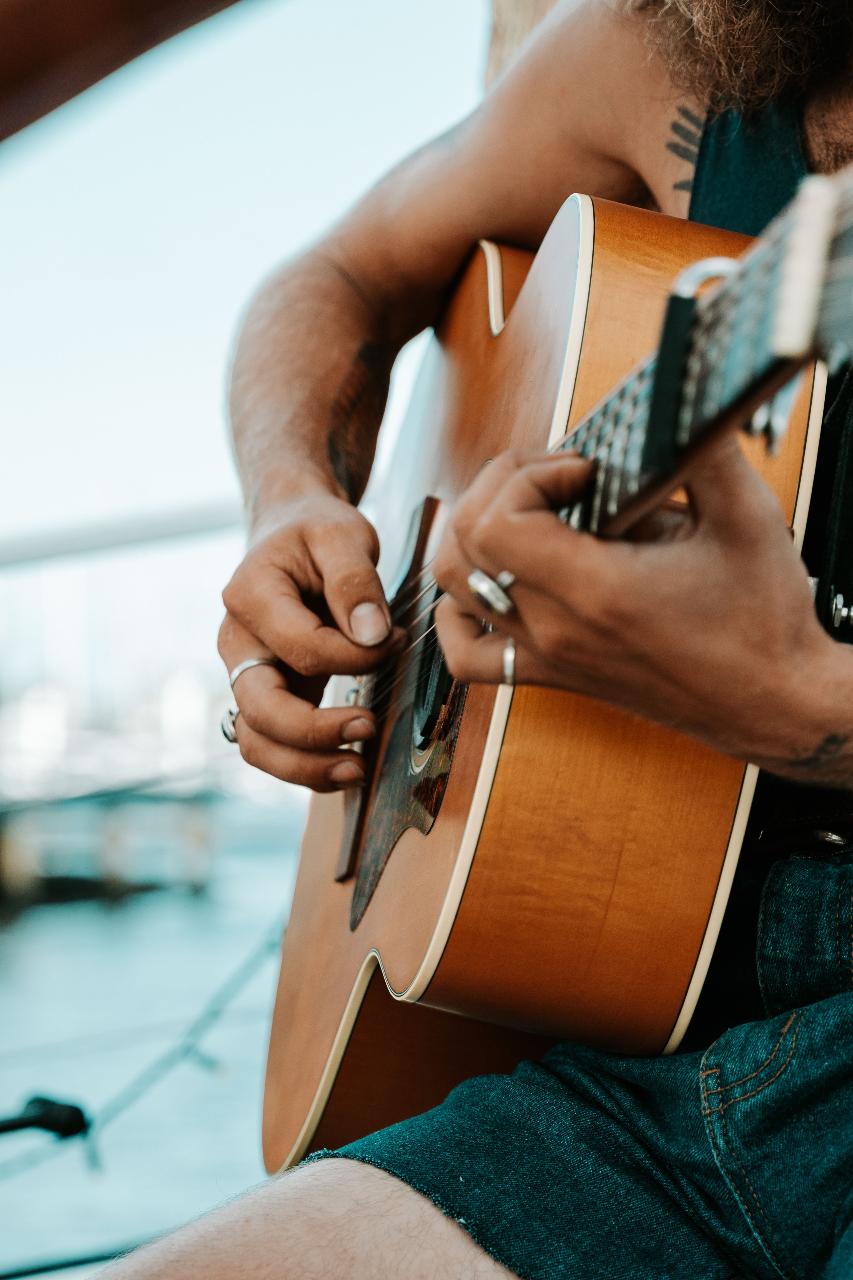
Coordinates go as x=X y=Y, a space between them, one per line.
x=489 y=593
x=508 y=662
x=234 y=675
x=228 y=723
x=505 y=579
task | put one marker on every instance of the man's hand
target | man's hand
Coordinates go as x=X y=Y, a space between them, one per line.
x=710 y=627
x=307 y=593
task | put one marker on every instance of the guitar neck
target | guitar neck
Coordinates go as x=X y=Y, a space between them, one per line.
x=722 y=353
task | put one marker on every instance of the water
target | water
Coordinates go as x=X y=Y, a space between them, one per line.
x=91 y=993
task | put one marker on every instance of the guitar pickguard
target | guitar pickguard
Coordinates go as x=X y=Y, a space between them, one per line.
x=408 y=792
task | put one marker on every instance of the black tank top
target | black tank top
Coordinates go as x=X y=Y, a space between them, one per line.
x=748 y=170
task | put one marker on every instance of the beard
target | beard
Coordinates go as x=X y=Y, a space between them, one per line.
x=744 y=53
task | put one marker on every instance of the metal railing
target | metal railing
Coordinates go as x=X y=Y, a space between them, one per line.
x=113 y=535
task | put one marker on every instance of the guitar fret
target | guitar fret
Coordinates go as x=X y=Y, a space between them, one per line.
x=583 y=436
x=757 y=333
x=593 y=442
x=612 y=434
x=575 y=516
x=732 y=343
x=634 y=454
x=604 y=443
x=573 y=443
x=598 y=493
x=631 y=446
x=620 y=448
x=689 y=395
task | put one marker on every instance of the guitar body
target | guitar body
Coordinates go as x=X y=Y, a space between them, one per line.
x=526 y=864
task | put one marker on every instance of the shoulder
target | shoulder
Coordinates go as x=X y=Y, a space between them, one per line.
x=589 y=86
x=585 y=106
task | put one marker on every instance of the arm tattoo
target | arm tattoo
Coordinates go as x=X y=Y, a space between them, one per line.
x=686 y=131
x=361 y=395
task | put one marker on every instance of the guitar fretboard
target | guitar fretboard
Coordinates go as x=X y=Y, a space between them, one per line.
x=614 y=435
x=791 y=293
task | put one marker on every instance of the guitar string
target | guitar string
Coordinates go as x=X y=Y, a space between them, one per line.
x=400 y=610
x=383 y=693
x=397 y=614
x=423 y=614
x=400 y=604
x=379 y=704
x=394 y=674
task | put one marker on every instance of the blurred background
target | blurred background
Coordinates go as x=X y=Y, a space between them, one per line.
x=145 y=871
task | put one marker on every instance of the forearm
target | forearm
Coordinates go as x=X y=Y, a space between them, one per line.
x=813 y=737
x=312 y=364
x=308 y=386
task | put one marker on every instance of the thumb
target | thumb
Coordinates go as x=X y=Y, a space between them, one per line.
x=346 y=560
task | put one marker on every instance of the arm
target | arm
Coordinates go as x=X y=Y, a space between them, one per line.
x=330 y=324
x=312 y=363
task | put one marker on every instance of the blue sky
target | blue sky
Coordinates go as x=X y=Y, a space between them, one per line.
x=137 y=219
x=135 y=223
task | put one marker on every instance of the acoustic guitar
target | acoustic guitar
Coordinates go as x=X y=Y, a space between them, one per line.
x=526 y=864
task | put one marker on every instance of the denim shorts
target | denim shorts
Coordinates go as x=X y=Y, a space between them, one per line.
x=731 y=1161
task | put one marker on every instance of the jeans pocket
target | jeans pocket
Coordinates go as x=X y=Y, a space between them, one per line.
x=736 y=1069
x=777 y=1102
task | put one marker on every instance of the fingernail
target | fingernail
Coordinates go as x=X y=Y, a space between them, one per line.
x=357 y=731
x=368 y=624
x=346 y=771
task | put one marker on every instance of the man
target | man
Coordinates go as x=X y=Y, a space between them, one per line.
x=735 y=1163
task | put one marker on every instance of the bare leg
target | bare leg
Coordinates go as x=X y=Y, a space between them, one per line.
x=336 y=1218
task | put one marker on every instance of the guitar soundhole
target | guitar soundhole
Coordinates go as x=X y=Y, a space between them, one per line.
x=433 y=683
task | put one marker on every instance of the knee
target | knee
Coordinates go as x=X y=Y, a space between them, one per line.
x=304 y=1224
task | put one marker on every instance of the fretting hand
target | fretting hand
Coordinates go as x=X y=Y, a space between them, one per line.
x=709 y=627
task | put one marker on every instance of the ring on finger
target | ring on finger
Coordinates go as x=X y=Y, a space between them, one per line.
x=228 y=723
x=233 y=676
x=489 y=593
